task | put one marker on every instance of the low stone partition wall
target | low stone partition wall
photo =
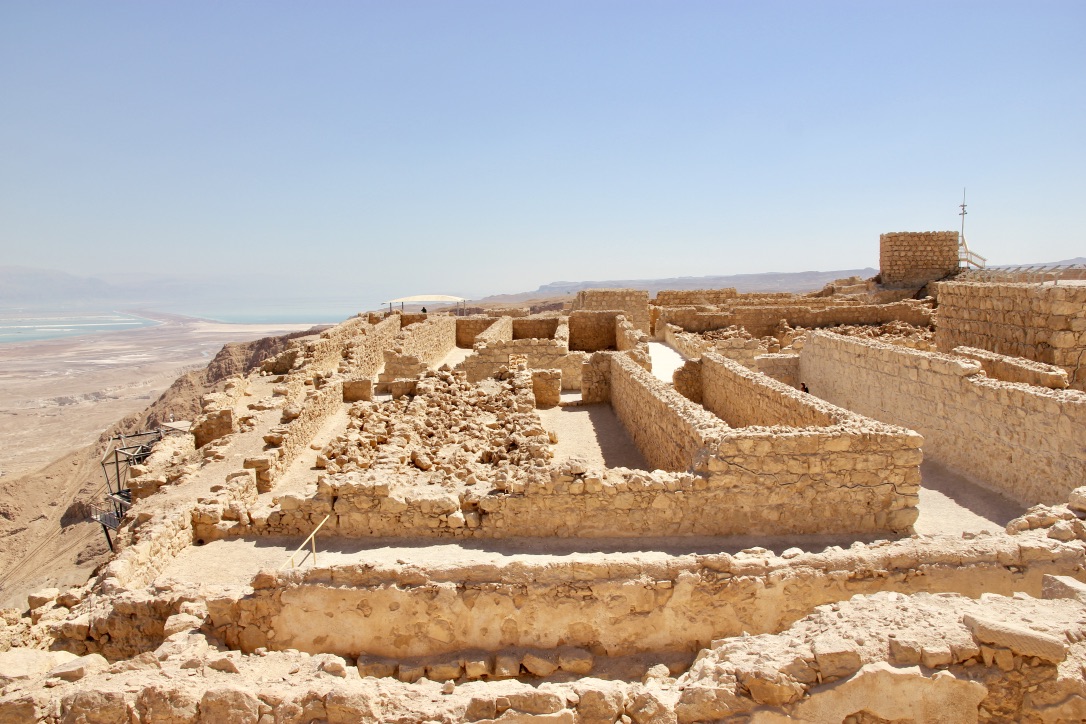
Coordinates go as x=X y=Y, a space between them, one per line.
x=668 y=603
x=1040 y=322
x=840 y=472
x=687 y=297
x=364 y=355
x=762 y=321
x=743 y=398
x=1022 y=440
x=540 y=354
x=359 y=342
x=690 y=346
x=218 y=416
x=418 y=347
x=633 y=303
x=672 y=432
x=500 y=330
x=468 y=328
x=1016 y=369
x=781 y=367
x=295 y=433
x=593 y=331
x=154 y=544
x=536 y=327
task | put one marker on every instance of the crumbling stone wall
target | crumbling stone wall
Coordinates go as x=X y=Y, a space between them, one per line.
x=1016 y=369
x=536 y=327
x=669 y=430
x=851 y=474
x=914 y=258
x=680 y=605
x=1024 y=441
x=633 y=303
x=762 y=321
x=468 y=328
x=781 y=367
x=688 y=297
x=418 y=347
x=299 y=424
x=494 y=347
x=1040 y=322
x=743 y=398
x=593 y=331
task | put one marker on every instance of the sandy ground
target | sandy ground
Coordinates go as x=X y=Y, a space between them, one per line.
x=60 y=394
x=594 y=434
x=665 y=361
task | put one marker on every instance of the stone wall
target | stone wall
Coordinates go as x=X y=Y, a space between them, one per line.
x=1024 y=441
x=501 y=330
x=690 y=346
x=1040 y=322
x=634 y=303
x=1016 y=369
x=679 y=604
x=593 y=331
x=914 y=258
x=688 y=297
x=468 y=328
x=535 y=327
x=851 y=473
x=669 y=430
x=488 y=359
x=418 y=347
x=781 y=367
x=364 y=351
x=763 y=320
x=293 y=435
x=744 y=398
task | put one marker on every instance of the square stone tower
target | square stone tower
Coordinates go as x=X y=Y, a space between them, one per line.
x=914 y=258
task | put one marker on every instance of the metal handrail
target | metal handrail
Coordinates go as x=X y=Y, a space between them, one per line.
x=311 y=539
x=1027 y=273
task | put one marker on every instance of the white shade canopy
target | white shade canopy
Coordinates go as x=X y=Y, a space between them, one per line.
x=423 y=298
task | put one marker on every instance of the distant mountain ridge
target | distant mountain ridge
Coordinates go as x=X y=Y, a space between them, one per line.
x=807 y=281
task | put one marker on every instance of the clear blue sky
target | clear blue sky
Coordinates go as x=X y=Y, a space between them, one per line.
x=480 y=147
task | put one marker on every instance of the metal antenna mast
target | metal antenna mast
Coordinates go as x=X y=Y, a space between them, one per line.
x=962 y=214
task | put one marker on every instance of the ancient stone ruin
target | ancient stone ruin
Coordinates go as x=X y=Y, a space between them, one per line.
x=864 y=504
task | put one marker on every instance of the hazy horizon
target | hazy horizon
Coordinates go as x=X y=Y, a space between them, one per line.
x=485 y=148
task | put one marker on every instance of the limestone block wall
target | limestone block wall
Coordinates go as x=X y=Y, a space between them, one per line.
x=781 y=367
x=669 y=430
x=690 y=346
x=1026 y=442
x=687 y=297
x=840 y=472
x=540 y=354
x=742 y=398
x=535 y=327
x=501 y=330
x=914 y=258
x=763 y=320
x=593 y=330
x=1015 y=369
x=1040 y=322
x=679 y=604
x=634 y=303
x=364 y=351
x=418 y=347
x=294 y=436
x=468 y=328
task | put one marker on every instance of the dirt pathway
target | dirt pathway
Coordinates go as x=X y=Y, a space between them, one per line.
x=665 y=361
x=594 y=434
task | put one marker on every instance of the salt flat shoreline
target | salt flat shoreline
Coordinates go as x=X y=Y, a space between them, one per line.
x=60 y=393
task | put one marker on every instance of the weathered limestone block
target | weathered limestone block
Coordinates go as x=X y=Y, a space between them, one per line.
x=547 y=387
x=213 y=425
x=1016 y=638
